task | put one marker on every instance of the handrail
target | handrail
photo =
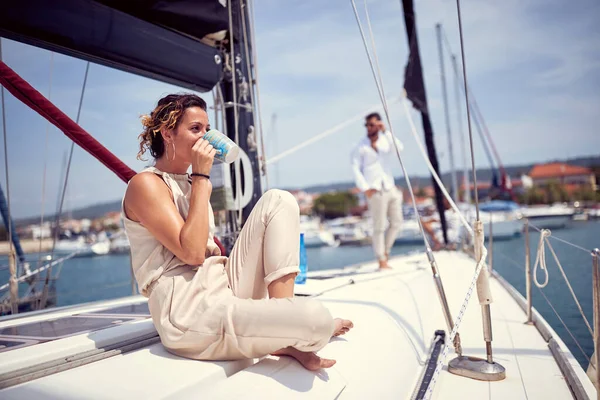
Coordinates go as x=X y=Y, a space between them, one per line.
x=42 y=268
x=588 y=251
x=593 y=329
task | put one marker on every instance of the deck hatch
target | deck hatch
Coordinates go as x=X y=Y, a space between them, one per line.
x=62 y=327
x=130 y=309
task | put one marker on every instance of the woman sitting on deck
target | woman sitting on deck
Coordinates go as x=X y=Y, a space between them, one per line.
x=206 y=306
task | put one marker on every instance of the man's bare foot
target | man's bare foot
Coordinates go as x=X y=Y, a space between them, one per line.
x=437 y=246
x=383 y=264
x=309 y=360
x=342 y=326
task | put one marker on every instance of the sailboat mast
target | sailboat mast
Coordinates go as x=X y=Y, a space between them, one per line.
x=414 y=84
x=463 y=144
x=454 y=188
x=238 y=108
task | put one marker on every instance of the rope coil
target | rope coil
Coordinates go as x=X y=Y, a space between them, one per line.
x=540 y=259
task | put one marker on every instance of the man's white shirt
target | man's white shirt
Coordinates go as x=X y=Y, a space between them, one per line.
x=373 y=169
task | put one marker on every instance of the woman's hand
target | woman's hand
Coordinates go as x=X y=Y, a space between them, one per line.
x=203 y=155
x=212 y=250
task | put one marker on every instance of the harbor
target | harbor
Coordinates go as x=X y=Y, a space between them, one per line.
x=448 y=233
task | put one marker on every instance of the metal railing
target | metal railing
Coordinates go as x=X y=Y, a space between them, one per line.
x=594 y=329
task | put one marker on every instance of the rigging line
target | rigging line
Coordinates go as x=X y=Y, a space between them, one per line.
x=475 y=108
x=253 y=73
x=216 y=117
x=64 y=190
x=61 y=265
x=42 y=268
x=464 y=67
x=480 y=265
x=222 y=109
x=232 y=221
x=514 y=263
x=386 y=111
x=483 y=141
x=12 y=259
x=379 y=79
x=45 y=161
x=328 y=132
x=9 y=222
x=486 y=131
x=237 y=165
x=476 y=119
x=85 y=77
x=414 y=129
x=479 y=238
x=243 y=15
x=436 y=177
x=481 y=261
x=562 y=271
x=479 y=244
x=457 y=90
x=465 y=173
x=257 y=85
x=561 y=240
x=541 y=260
x=447 y=113
x=564 y=325
x=519 y=267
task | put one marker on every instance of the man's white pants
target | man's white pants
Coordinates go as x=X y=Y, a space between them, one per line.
x=385 y=206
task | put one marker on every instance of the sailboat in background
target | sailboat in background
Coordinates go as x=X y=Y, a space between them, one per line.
x=110 y=349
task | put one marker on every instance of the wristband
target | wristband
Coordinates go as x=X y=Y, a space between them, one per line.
x=202 y=175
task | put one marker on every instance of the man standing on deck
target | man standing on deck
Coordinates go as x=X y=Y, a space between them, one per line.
x=371 y=163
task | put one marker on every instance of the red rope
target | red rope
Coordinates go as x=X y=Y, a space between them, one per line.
x=23 y=91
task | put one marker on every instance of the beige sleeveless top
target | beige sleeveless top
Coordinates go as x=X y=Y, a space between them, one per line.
x=149 y=258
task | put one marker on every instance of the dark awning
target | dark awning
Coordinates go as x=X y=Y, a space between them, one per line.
x=159 y=39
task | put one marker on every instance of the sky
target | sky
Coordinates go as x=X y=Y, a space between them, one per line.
x=533 y=66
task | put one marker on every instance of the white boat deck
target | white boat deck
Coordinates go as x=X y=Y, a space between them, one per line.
x=395 y=314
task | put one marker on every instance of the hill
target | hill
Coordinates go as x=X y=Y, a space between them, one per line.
x=98 y=210
x=484 y=175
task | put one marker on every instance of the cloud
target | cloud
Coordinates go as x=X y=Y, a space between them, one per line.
x=525 y=62
x=534 y=67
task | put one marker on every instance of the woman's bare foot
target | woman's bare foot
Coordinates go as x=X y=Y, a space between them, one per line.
x=342 y=326
x=309 y=360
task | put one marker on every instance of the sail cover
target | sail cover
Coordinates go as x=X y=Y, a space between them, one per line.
x=158 y=39
x=414 y=84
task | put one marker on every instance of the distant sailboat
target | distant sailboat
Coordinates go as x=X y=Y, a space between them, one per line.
x=84 y=350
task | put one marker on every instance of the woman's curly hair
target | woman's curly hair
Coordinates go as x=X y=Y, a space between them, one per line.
x=167 y=114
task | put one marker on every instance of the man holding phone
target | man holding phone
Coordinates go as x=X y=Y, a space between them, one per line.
x=371 y=164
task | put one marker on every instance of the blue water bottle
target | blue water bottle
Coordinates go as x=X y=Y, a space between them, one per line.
x=301 y=277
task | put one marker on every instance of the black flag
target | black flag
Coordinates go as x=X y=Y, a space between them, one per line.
x=414 y=84
x=413 y=74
